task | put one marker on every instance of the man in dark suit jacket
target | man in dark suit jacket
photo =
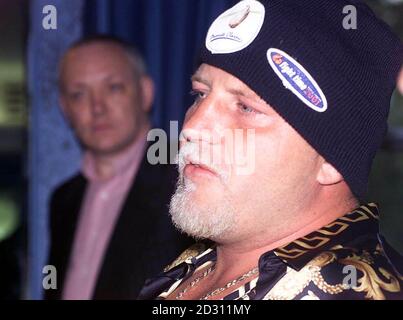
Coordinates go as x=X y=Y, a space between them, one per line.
x=110 y=229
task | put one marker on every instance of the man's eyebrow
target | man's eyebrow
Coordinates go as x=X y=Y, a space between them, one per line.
x=242 y=93
x=115 y=76
x=197 y=78
x=77 y=84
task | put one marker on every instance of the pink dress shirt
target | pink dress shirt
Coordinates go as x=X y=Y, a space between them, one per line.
x=102 y=204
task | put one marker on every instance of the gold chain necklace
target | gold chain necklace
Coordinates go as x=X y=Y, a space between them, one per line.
x=194 y=282
x=230 y=284
x=218 y=290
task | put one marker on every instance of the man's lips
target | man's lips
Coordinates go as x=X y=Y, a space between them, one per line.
x=101 y=127
x=192 y=171
x=198 y=169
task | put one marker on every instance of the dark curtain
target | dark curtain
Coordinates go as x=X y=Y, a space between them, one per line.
x=168 y=33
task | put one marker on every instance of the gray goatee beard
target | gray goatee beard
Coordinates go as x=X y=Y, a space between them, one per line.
x=210 y=219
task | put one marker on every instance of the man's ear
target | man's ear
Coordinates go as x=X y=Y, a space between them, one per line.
x=328 y=174
x=147 y=89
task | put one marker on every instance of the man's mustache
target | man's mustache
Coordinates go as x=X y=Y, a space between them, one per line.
x=189 y=153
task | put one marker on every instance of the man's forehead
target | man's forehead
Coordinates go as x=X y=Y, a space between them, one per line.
x=111 y=62
x=89 y=54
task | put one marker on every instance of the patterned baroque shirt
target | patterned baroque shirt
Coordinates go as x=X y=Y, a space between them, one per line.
x=346 y=259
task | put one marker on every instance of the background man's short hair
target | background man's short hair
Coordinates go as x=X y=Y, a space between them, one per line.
x=136 y=59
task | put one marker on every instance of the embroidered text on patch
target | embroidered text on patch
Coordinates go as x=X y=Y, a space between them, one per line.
x=236 y=28
x=297 y=79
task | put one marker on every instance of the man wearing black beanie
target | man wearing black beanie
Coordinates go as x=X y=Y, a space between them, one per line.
x=308 y=99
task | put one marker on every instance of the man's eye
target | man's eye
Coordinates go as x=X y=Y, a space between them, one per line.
x=245 y=109
x=76 y=95
x=116 y=87
x=198 y=95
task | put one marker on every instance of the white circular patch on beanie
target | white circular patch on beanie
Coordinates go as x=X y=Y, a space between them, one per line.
x=236 y=28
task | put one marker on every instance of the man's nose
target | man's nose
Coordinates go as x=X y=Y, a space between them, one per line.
x=203 y=122
x=98 y=104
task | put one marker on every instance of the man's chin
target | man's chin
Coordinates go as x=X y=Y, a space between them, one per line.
x=201 y=233
x=105 y=148
x=202 y=193
x=198 y=215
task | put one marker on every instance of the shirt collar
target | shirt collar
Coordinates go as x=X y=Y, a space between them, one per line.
x=121 y=163
x=344 y=230
x=362 y=222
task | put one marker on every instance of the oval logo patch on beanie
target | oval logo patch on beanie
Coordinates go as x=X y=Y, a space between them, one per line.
x=236 y=28
x=297 y=79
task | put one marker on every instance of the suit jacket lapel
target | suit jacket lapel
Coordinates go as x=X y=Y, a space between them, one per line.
x=129 y=235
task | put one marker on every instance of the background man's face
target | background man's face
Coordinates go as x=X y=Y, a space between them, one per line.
x=231 y=205
x=101 y=97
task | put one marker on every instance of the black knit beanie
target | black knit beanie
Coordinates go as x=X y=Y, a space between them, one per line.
x=331 y=83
